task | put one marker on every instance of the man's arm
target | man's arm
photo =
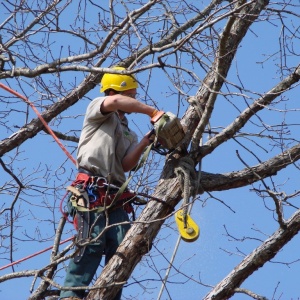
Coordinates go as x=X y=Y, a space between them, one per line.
x=126 y=104
x=123 y=103
x=132 y=158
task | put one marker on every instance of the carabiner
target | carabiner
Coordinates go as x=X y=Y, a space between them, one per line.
x=91 y=193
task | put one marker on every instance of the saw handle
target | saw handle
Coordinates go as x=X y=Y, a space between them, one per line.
x=156 y=147
x=151 y=135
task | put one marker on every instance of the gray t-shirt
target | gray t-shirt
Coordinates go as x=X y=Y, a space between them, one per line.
x=104 y=142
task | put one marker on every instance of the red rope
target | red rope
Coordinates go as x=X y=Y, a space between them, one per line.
x=41 y=119
x=26 y=100
x=33 y=255
x=65 y=215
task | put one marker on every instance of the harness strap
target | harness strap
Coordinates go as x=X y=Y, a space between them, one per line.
x=81 y=202
x=78 y=202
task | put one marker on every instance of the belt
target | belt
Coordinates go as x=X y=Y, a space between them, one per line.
x=85 y=171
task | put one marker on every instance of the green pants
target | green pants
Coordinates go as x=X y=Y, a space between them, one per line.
x=82 y=273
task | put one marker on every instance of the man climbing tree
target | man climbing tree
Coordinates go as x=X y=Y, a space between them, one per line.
x=107 y=149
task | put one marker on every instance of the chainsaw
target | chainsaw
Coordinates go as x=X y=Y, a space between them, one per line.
x=168 y=132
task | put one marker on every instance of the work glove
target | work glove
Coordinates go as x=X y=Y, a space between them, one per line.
x=157 y=114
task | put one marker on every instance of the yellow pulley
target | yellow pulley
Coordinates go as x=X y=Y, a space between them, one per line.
x=187 y=227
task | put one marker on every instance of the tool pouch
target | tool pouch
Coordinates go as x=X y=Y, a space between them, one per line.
x=80 y=197
x=83 y=223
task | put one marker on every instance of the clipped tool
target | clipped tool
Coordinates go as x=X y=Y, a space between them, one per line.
x=187 y=227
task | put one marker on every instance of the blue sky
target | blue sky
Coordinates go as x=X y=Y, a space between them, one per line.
x=214 y=254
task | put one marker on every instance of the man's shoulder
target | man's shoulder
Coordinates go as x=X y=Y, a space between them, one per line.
x=97 y=100
x=94 y=116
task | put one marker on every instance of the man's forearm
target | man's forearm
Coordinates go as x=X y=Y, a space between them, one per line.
x=133 y=157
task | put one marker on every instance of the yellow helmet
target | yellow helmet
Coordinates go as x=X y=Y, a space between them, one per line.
x=118 y=82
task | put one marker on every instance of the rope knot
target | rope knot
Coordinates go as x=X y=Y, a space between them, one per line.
x=187 y=175
x=189 y=182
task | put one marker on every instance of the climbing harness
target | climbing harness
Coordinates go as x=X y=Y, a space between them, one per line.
x=94 y=194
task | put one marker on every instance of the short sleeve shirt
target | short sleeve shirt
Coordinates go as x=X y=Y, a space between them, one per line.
x=104 y=142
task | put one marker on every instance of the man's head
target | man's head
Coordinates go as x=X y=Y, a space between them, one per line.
x=118 y=83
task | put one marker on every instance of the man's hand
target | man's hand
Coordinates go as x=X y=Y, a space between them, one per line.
x=151 y=136
x=132 y=158
x=148 y=138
